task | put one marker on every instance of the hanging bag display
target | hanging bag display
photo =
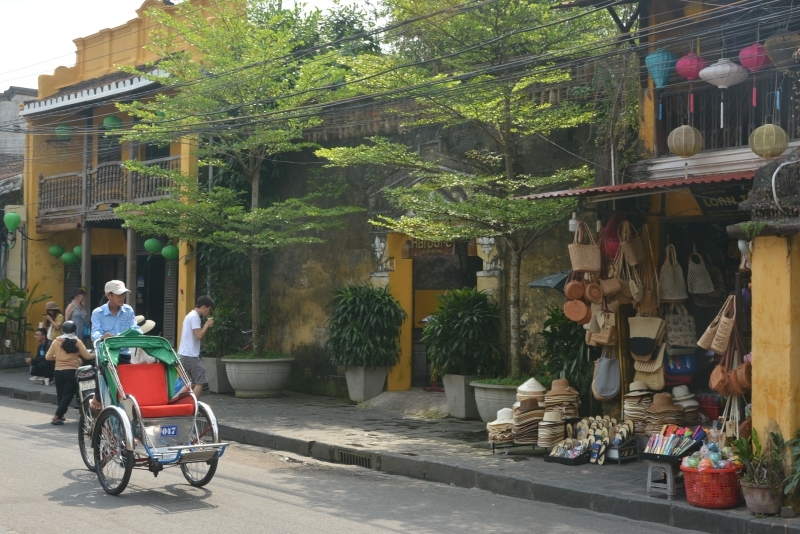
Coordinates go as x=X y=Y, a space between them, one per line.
x=606 y=379
x=623 y=275
x=653 y=378
x=708 y=336
x=592 y=291
x=645 y=334
x=578 y=311
x=698 y=280
x=672 y=285
x=727 y=321
x=631 y=244
x=720 y=375
x=716 y=297
x=584 y=252
x=608 y=329
x=574 y=288
x=649 y=304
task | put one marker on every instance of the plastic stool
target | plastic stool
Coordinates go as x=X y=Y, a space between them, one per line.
x=656 y=471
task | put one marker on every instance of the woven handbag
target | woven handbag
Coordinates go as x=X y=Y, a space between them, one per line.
x=574 y=288
x=610 y=286
x=584 y=252
x=653 y=379
x=708 y=336
x=649 y=305
x=593 y=292
x=631 y=244
x=716 y=297
x=576 y=310
x=606 y=377
x=681 y=331
x=720 y=376
x=727 y=322
x=672 y=285
x=606 y=336
x=698 y=280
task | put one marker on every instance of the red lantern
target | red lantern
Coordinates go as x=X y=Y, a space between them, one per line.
x=754 y=58
x=690 y=65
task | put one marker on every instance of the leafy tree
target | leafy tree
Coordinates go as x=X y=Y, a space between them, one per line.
x=237 y=72
x=477 y=66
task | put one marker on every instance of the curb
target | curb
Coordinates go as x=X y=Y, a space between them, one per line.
x=651 y=510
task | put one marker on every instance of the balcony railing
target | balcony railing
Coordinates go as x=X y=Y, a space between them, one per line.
x=741 y=118
x=108 y=184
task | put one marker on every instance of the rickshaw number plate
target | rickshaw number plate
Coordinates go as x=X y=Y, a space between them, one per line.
x=171 y=430
x=87 y=384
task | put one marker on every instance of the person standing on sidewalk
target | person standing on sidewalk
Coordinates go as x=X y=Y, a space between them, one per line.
x=76 y=312
x=53 y=319
x=66 y=351
x=191 y=334
x=41 y=369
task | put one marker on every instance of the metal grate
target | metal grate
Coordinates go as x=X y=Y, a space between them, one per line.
x=354 y=458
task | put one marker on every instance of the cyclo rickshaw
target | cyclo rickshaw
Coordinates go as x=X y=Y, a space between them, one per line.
x=141 y=424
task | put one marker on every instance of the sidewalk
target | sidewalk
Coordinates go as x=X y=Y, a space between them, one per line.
x=441 y=450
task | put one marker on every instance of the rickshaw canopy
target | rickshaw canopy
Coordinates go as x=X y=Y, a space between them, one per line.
x=157 y=347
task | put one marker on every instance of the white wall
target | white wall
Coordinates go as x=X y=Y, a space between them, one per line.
x=12 y=142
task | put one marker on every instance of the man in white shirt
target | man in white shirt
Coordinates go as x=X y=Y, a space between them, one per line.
x=191 y=334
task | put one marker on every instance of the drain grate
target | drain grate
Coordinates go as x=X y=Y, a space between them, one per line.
x=354 y=458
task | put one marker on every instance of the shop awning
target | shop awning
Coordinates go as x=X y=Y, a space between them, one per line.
x=637 y=189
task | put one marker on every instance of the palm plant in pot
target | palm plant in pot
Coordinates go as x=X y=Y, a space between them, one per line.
x=764 y=472
x=364 y=337
x=463 y=342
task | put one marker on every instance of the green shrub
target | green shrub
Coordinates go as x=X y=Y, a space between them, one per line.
x=364 y=327
x=463 y=336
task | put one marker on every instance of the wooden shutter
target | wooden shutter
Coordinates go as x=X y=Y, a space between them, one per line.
x=72 y=282
x=170 y=300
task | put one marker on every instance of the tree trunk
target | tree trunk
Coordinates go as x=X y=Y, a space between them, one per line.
x=513 y=309
x=255 y=307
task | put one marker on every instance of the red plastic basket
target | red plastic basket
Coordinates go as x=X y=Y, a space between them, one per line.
x=712 y=488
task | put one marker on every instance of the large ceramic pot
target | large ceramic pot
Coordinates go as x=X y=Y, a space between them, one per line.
x=363 y=383
x=253 y=379
x=492 y=398
x=762 y=499
x=216 y=375
x=460 y=396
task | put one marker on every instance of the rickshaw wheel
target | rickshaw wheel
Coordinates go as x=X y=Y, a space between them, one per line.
x=199 y=474
x=85 y=428
x=114 y=462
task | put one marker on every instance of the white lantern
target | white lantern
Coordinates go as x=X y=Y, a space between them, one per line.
x=724 y=73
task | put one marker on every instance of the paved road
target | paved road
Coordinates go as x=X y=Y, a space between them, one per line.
x=44 y=488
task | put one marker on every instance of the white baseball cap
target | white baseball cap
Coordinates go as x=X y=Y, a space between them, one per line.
x=117 y=287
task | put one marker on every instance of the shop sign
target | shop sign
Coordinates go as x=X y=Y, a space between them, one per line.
x=721 y=200
x=413 y=248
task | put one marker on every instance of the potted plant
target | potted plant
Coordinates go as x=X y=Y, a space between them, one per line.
x=764 y=474
x=463 y=342
x=255 y=376
x=364 y=337
x=494 y=394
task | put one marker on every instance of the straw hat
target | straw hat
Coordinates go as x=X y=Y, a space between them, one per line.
x=531 y=386
x=504 y=417
x=139 y=319
x=682 y=393
x=662 y=402
x=689 y=403
x=51 y=306
x=552 y=417
x=638 y=389
x=147 y=326
x=561 y=387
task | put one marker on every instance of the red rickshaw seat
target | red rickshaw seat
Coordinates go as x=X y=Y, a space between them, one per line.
x=147 y=382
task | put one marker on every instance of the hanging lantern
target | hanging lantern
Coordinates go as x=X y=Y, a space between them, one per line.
x=56 y=251
x=78 y=251
x=754 y=58
x=64 y=132
x=112 y=122
x=69 y=258
x=170 y=252
x=685 y=141
x=11 y=220
x=689 y=67
x=661 y=65
x=769 y=141
x=724 y=73
x=781 y=47
x=153 y=245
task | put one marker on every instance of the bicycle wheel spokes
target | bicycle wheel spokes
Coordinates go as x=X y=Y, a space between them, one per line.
x=200 y=473
x=114 y=462
x=85 y=428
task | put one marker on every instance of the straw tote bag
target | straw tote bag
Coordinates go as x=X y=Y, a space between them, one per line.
x=727 y=322
x=716 y=297
x=720 y=376
x=708 y=336
x=649 y=304
x=631 y=244
x=698 y=280
x=741 y=377
x=592 y=291
x=606 y=379
x=681 y=331
x=574 y=288
x=672 y=285
x=584 y=252
x=654 y=379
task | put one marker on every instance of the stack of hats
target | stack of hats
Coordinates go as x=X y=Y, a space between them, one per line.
x=551 y=429
x=531 y=389
x=527 y=416
x=500 y=428
x=691 y=408
x=562 y=398
x=662 y=412
x=635 y=404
